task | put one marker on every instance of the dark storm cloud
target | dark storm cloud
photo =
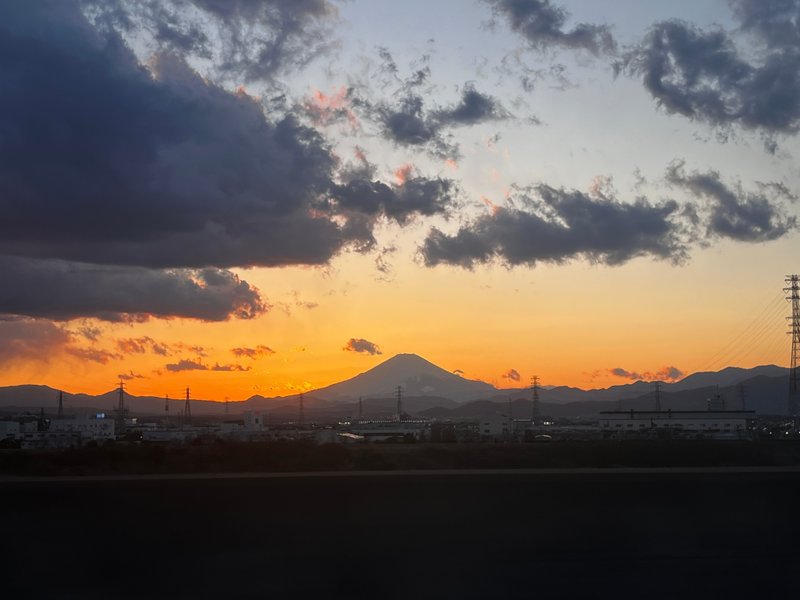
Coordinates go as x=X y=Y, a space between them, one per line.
x=543 y=25
x=113 y=163
x=701 y=74
x=106 y=161
x=362 y=346
x=250 y=39
x=732 y=212
x=64 y=290
x=158 y=169
x=559 y=225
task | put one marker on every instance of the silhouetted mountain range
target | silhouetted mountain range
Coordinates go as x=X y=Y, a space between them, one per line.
x=429 y=390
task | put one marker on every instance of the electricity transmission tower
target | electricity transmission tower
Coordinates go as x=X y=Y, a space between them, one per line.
x=793 y=291
x=535 y=413
x=301 y=417
x=120 y=424
x=187 y=412
x=399 y=392
x=658 y=395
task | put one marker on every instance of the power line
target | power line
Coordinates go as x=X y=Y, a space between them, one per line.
x=793 y=290
x=771 y=305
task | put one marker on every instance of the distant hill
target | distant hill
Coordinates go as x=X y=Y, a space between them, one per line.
x=429 y=390
x=36 y=397
x=727 y=377
x=765 y=395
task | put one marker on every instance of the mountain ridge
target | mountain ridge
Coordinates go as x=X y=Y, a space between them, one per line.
x=426 y=386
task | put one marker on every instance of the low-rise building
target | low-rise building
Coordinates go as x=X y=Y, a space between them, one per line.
x=89 y=428
x=681 y=423
x=10 y=430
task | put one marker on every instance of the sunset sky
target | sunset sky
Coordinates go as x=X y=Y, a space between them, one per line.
x=268 y=196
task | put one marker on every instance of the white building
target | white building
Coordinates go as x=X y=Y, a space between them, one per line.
x=683 y=423
x=88 y=428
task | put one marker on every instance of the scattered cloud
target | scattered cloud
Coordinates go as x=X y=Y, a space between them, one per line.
x=117 y=293
x=196 y=365
x=412 y=196
x=229 y=368
x=408 y=122
x=705 y=76
x=250 y=40
x=142 y=345
x=130 y=376
x=362 y=346
x=31 y=340
x=512 y=375
x=90 y=332
x=732 y=212
x=664 y=374
x=558 y=225
x=102 y=357
x=186 y=365
x=325 y=109
x=253 y=353
x=543 y=25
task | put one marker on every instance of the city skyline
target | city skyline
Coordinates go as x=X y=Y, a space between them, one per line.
x=270 y=198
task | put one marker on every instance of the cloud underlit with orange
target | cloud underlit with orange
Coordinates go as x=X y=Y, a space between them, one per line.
x=233 y=210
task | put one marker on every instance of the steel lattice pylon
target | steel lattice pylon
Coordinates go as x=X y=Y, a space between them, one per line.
x=793 y=291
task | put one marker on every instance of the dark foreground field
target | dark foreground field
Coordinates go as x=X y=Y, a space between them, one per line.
x=465 y=535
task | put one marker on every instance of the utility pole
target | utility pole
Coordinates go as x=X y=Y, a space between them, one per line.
x=399 y=392
x=166 y=410
x=60 y=404
x=360 y=408
x=188 y=408
x=227 y=407
x=302 y=416
x=793 y=289
x=743 y=395
x=535 y=398
x=658 y=396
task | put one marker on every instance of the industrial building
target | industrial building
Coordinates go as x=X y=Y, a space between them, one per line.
x=61 y=433
x=681 y=423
